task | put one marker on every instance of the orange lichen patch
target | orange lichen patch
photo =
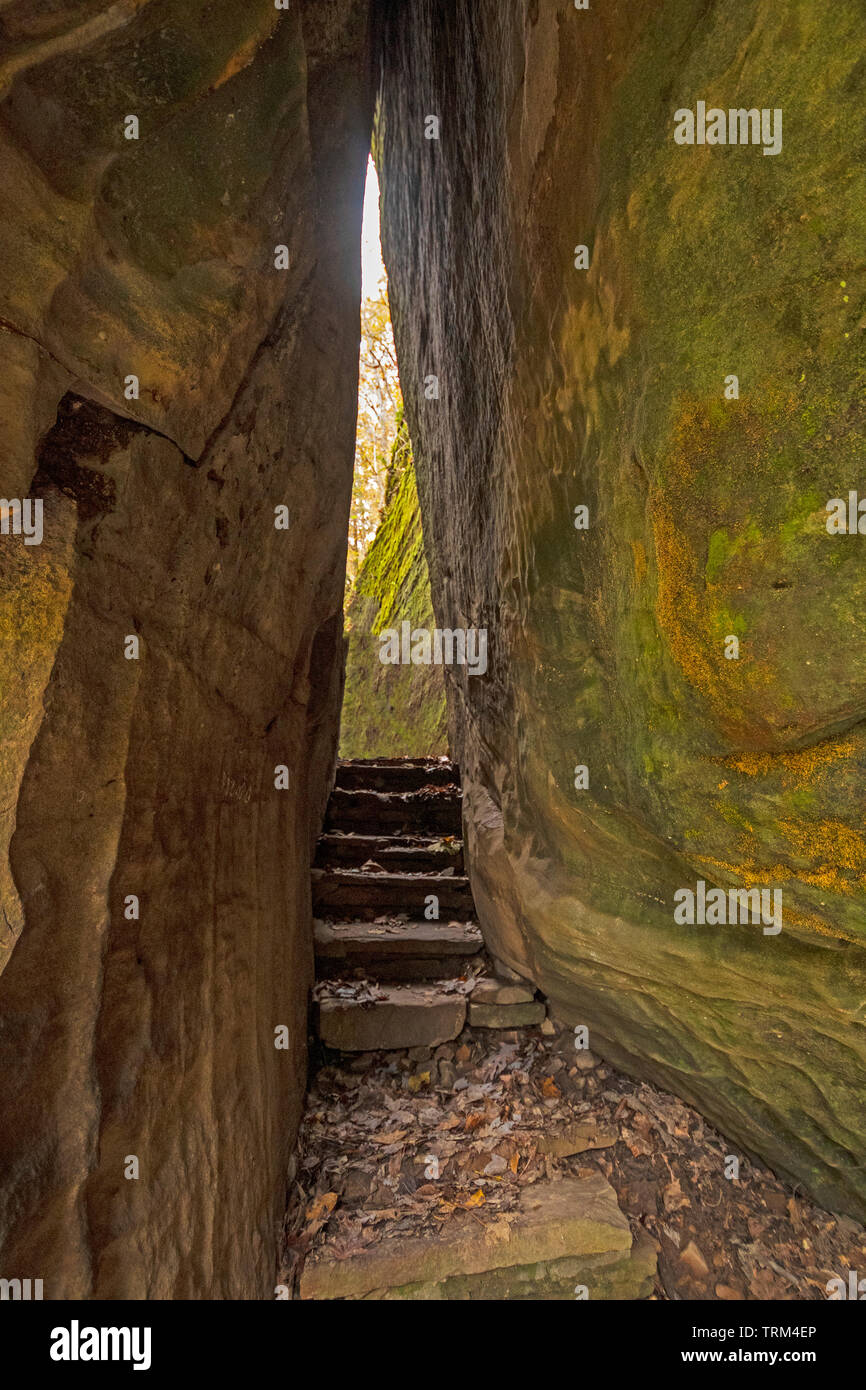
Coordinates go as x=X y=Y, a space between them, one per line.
x=701 y=427
x=803 y=766
x=688 y=623
x=639 y=558
x=754 y=875
x=678 y=608
x=693 y=613
x=830 y=841
x=836 y=852
x=692 y=432
x=811 y=922
x=825 y=876
x=778 y=408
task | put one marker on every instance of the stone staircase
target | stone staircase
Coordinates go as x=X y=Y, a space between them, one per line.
x=399 y=955
x=440 y=1155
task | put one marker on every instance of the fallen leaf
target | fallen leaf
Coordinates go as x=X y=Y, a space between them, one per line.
x=673 y=1196
x=451 y=1122
x=392 y=1137
x=496 y=1165
x=640 y=1147
x=729 y=1295
x=694 y=1261
x=320 y=1209
x=326 y=1201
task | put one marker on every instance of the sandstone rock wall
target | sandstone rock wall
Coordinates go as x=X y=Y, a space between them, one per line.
x=604 y=387
x=154 y=1036
x=392 y=710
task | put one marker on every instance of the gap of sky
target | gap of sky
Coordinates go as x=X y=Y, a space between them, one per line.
x=372 y=268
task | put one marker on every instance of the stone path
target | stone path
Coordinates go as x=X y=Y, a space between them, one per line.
x=402 y=972
x=399 y=955
x=456 y=1145
x=411 y=1167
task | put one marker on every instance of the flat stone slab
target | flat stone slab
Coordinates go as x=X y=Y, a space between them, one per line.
x=565 y=1233
x=505 y=1015
x=366 y=940
x=626 y=1279
x=325 y=880
x=576 y=1138
x=403 y=853
x=402 y=1016
x=396 y=776
x=420 y=812
x=393 y=952
x=357 y=888
x=489 y=990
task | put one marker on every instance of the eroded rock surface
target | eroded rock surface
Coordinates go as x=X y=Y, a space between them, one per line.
x=154 y=1036
x=392 y=710
x=603 y=387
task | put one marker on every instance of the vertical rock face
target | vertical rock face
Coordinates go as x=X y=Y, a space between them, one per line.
x=567 y=382
x=154 y=879
x=392 y=710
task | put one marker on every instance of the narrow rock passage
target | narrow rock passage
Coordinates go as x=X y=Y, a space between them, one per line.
x=456 y=1143
x=398 y=948
x=401 y=973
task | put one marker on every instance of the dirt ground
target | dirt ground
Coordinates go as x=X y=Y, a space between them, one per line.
x=402 y=1143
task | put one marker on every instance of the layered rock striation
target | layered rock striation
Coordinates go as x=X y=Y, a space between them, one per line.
x=585 y=289
x=171 y=654
x=391 y=709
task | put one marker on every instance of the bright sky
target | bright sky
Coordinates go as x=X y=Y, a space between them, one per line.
x=372 y=269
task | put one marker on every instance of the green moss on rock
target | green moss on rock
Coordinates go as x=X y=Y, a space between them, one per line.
x=392 y=711
x=606 y=388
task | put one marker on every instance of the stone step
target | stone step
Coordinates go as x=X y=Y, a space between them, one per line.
x=381 y=761
x=488 y=989
x=406 y=853
x=410 y=951
x=396 y=775
x=496 y=1003
x=566 y=1233
x=407 y=813
x=341 y=892
x=397 y=1016
x=506 y=1015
